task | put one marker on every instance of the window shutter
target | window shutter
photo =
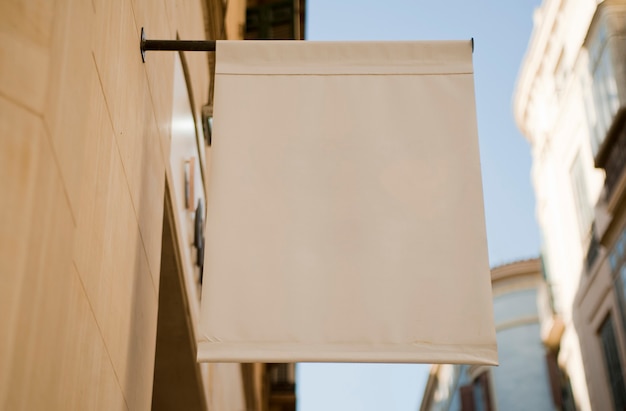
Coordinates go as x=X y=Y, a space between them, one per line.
x=467 y=398
x=271 y=21
x=483 y=380
x=555 y=378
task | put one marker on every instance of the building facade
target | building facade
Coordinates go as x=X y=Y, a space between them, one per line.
x=104 y=164
x=523 y=380
x=570 y=104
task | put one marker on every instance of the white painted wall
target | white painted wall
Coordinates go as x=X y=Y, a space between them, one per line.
x=554 y=121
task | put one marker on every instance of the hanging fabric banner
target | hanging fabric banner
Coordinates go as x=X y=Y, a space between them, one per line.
x=345 y=216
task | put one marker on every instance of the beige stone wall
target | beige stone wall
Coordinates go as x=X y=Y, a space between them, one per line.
x=84 y=144
x=226 y=388
x=235 y=19
x=597 y=298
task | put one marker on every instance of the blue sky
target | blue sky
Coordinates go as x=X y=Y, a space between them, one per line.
x=501 y=31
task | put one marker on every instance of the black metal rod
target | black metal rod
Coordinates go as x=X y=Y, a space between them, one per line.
x=179 y=45
x=173 y=45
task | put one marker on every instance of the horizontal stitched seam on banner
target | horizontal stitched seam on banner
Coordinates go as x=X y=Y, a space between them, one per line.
x=345 y=344
x=342 y=74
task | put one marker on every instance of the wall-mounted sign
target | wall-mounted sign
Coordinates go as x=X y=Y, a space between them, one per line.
x=345 y=212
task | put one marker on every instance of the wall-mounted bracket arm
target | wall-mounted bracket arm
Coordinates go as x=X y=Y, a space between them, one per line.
x=173 y=45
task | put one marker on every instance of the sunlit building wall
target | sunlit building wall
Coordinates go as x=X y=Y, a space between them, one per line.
x=523 y=380
x=569 y=103
x=104 y=163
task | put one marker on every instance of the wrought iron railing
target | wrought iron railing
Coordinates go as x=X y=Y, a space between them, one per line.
x=593 y=251
x=616 y=160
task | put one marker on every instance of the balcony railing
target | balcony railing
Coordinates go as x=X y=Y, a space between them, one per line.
x=617 y=159
x=593 y=251
x=612 y=156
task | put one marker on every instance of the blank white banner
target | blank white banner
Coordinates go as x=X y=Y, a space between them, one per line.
x=345 y=212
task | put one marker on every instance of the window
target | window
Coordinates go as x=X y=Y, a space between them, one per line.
x=559 y=384
x=613 y=364
x=617 y=262
x=601 y=100
x=620 y=286
x=579 y=190
x=561 y=73
x=476 y=396
x=270 y=20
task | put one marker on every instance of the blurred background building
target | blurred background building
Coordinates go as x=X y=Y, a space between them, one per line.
x=104 y=163
x=525 y=378
x=570 y=103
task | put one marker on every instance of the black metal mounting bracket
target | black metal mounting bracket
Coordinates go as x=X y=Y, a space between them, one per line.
x=173 y=45
x=185 y=45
